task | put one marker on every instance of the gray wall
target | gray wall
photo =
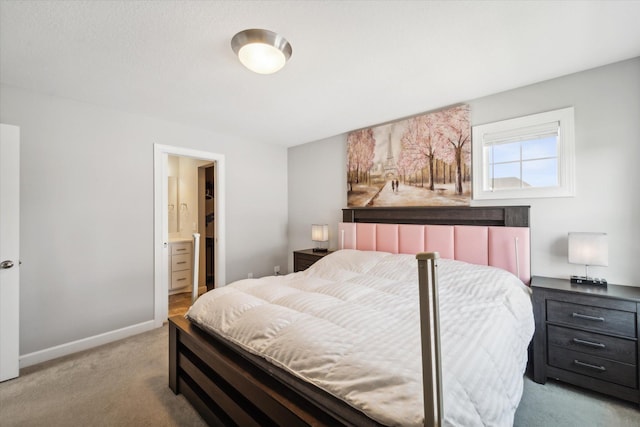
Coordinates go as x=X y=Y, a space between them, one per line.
x=607 y=112
x=317 y=192
x=87 y=213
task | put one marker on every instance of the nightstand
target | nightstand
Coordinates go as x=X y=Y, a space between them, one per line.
x=305 y=258
x=587 y=336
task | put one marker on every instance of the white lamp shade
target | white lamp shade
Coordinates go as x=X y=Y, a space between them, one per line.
x=588 y=249
x=320 y=232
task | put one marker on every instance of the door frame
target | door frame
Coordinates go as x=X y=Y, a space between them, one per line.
x=161 y=223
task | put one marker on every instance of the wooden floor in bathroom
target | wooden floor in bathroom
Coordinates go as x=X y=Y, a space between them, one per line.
x=179 y=304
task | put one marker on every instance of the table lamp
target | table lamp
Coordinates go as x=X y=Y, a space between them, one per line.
x=588 y=249
x=320 y=234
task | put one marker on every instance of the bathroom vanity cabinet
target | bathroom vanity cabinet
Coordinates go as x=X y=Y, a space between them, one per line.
x=180 y=265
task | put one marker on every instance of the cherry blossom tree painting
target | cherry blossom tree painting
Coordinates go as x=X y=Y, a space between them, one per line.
x=421 y=161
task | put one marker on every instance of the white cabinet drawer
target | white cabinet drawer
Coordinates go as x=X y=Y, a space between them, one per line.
x=180 y=262
x=180 y=279
x=180 y=248
x=180 y=265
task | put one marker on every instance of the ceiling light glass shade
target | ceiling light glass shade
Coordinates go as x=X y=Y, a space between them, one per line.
x=261 y=51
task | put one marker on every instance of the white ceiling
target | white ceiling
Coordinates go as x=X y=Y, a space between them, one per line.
x=354 y=63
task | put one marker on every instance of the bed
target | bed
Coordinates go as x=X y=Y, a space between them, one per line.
x=236 y=369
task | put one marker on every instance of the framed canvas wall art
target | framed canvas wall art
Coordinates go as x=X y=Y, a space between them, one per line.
x=421 y=161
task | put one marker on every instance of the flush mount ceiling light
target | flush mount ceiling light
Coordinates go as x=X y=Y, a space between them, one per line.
x=261 y=51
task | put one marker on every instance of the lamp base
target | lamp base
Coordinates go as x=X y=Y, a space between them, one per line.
x=320 y=250
x=582 y=280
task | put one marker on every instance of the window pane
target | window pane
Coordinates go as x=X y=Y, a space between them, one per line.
x=506 y=152
x=540 y=148
x=540 y=173
x=529 y=156
x=506 y=175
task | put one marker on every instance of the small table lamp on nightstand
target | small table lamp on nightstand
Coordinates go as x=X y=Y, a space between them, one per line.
x=320 y=234
x=588 y=249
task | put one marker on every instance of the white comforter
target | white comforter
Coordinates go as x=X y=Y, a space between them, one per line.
x=350 y=324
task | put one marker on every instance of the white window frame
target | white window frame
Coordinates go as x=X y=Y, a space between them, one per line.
x=521 y=126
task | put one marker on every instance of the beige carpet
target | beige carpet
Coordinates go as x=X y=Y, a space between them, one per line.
x=125 y=384
x=120 y=384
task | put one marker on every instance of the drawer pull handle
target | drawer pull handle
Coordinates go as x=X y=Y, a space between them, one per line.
x=589 y=365
x=589 y=343
x=586 y=317
x=181 y=262
x=181 y=249
x=181 y=280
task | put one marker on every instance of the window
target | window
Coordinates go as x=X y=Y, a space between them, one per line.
x=530 y=156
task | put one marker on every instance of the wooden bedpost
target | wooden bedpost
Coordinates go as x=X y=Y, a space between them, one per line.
x=430 y=337
x=173 y=358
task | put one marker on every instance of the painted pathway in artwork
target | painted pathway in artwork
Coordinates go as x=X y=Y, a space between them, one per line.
x=409 y=195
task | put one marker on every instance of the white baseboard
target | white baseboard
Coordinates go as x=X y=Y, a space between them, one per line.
x=84 y=344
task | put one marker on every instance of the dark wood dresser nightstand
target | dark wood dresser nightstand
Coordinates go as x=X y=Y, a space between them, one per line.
x=305 y=258
x=587 y=336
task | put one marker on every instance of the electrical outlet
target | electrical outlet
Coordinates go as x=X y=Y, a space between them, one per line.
x=276 y=269
x=250 y=276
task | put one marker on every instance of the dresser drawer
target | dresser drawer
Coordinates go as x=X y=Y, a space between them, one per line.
x=180 y=248
x=594 y=318
x=180 y=262
x=304 y=263
x=593 y=366
x=180 y=279
x=302 y=260
x=617 y=349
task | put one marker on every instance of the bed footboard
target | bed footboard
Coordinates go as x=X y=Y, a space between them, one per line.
x=226 y=389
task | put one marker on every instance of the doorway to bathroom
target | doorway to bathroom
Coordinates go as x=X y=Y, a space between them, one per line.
x=191 y=217
x=189 y=227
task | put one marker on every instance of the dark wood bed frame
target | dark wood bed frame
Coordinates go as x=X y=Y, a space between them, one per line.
x=503 y=216
x=229 y=387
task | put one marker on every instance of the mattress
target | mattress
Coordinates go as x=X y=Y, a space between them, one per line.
x=350 y=325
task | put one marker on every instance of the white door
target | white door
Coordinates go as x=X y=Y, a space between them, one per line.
x=9 y=251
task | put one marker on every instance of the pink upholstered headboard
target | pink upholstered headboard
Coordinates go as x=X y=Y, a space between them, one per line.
x=503 y=247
